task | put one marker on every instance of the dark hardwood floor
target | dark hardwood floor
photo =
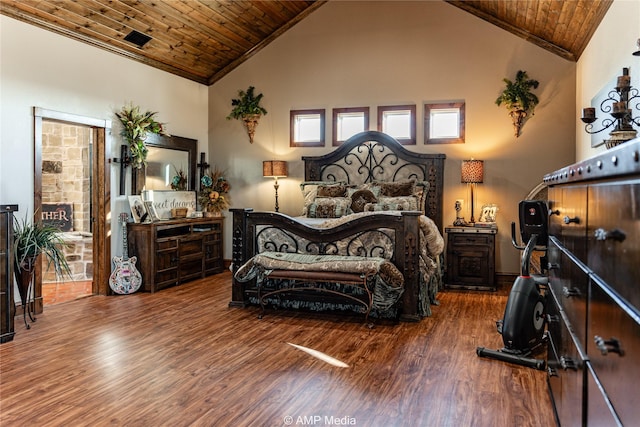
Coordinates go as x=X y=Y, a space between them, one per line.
x=181 y=357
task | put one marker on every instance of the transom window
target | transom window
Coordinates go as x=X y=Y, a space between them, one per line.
x=444 y=123
x=307 y=128
x=399 y=121
x=348 y=122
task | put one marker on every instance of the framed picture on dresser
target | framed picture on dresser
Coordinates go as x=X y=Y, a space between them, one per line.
x=138 y=210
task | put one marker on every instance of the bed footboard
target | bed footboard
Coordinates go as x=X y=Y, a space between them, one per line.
x=405 y=234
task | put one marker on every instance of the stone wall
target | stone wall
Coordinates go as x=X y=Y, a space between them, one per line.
x=66 y=178
x=66 y=169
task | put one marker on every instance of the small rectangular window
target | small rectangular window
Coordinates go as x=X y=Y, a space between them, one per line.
x=398 y=121
x=307 y=128
x=348 y=122
x=444 y=123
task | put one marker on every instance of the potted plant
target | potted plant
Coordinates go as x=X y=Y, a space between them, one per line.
x=135 y=127
x=518 y=99
x=213 y=196
x=248 y=109
x=30 y=240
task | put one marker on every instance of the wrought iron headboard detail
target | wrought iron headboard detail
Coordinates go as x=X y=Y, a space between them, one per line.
x=375 y=156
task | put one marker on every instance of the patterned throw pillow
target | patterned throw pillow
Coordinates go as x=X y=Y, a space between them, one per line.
x=329 y=207
x=360 y=198
x=397 y=188
x=310 y=191
x=335 y=190
x=406 y=203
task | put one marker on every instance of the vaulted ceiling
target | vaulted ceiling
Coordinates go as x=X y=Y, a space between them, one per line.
x=202 y=40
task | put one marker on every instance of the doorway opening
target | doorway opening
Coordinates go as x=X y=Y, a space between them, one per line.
x=93 y=219
x=66 y=204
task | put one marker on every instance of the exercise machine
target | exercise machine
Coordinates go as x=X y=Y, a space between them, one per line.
x=523 y=324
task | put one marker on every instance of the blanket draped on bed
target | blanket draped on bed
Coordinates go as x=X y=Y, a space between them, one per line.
x=386 y=281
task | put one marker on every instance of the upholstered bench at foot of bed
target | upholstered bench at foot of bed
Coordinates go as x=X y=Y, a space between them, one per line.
x=301 y=273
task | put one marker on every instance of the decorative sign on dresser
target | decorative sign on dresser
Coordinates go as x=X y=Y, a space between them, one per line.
x=166 y=201
x=594 y=306
x=176 y=251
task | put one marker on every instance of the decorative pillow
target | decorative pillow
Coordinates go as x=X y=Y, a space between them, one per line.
x=310 y=191
x=360 y=198
x=334 y=190
x=329 y=207
x=397 y=188
x=377 y=207
x=409 y=203
x=371 y=186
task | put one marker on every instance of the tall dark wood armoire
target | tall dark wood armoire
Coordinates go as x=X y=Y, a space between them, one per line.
x=7 y=305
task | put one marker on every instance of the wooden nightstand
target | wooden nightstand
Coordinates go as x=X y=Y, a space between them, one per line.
x=471 y=258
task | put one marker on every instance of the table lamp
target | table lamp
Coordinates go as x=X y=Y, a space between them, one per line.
x=472 y=174
x=274 y=169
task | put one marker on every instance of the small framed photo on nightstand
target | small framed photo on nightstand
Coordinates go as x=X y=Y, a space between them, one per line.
x=488 y=213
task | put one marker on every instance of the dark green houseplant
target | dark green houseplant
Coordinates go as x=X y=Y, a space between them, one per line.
x=30 y=240
x=519 y=99
x=248 y=109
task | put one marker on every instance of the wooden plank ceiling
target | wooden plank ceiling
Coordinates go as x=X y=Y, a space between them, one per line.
x=202 y=40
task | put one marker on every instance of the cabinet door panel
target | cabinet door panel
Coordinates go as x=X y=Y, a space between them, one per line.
x=614 y=349
x=614 y=236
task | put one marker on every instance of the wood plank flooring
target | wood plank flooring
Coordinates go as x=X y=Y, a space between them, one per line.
x=182 y=357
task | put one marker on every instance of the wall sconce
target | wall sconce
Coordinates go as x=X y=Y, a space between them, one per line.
x=619 y=106
x=274 y=169
x=472 y=173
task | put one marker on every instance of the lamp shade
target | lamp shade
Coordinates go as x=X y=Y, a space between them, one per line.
x=274 y=168
x=472 y=171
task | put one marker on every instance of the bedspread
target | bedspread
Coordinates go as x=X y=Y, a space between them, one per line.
x=386 y=282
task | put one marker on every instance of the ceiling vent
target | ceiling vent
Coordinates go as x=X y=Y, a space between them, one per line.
x=137 y=38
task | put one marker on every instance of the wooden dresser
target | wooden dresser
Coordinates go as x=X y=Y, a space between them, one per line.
x=594 y=273
x=176 y=251
x=7 y=305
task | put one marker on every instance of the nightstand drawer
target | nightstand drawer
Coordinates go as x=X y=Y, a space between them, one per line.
x=472 y=239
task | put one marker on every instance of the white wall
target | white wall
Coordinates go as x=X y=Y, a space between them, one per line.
x=41 y=69
x=371 y=53
x=609 y=50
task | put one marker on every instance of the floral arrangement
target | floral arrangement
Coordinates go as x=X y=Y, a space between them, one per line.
x=213 y=196
x=136 y=125
x=179 y=181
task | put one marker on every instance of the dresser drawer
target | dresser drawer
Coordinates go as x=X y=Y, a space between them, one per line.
x=569 y=283
x=614 y=349
x=614 y=236
x=600 y=411
x=565 y=369
x=568 y=218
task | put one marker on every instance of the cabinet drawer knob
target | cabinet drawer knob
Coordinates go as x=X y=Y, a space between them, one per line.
x=570 y=292
x=554 y=212
x=568 y=220
x=568 y=363
x=615 y=234
x=551 y=372
x=608 y=346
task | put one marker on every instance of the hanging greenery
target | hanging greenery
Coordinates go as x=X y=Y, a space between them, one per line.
x=519 y=99
x=248 y=109
x=135 y=127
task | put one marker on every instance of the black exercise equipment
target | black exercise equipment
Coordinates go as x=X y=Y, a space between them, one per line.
x=523 y=324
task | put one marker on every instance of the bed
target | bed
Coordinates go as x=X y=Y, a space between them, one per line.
x=371 y=197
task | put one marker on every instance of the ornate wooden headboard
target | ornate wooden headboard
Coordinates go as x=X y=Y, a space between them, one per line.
x=375 y=156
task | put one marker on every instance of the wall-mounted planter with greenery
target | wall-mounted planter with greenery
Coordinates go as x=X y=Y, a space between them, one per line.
x=518 y=99
x=135 y=127
x=248 y=109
